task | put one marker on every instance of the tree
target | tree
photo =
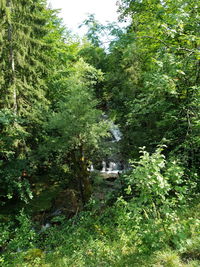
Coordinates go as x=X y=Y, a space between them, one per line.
x=160 y=68
x=24 y=26
x=75 y=128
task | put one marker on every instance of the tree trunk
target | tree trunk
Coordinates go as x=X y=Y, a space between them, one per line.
x=82 y=176
x=12 y=61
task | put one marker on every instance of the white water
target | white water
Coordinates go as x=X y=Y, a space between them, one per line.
x=116 y=133
x=111 y=166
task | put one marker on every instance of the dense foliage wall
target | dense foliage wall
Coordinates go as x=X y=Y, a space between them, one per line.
x=54 y=90
x=49 y=120
x=157 y=66
x=56 y=93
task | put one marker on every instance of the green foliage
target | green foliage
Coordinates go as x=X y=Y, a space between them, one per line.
x=75 y=124
x=23 y=236
x=156 y=182
x=168 y=259
x=132 y=231
x=118 y=236
x=156 y=63
x=46 y=76
x=5 y=228
x=101 y=35
x=54 y=93
x=23 y=101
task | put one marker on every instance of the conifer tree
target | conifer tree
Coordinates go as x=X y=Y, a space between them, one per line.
x=24 y=60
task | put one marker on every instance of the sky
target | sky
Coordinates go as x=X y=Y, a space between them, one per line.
x=74 y=12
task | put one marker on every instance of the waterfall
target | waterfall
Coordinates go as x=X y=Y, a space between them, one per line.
x=103 y=166
x=116 y=133
x=112 y=165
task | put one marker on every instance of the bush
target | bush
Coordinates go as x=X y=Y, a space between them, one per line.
x=23 y=235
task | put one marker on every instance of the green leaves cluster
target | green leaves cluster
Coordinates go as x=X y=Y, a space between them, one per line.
x=156 y=182
x=76 y=121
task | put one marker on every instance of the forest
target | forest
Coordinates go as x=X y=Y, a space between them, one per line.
x=100 y=139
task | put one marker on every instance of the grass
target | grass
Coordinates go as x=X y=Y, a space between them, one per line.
x=113 y=238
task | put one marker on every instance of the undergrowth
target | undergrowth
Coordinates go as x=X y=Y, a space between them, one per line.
x=155 y=222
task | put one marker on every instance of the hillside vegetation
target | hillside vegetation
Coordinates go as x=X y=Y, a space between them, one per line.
x=73 y=110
